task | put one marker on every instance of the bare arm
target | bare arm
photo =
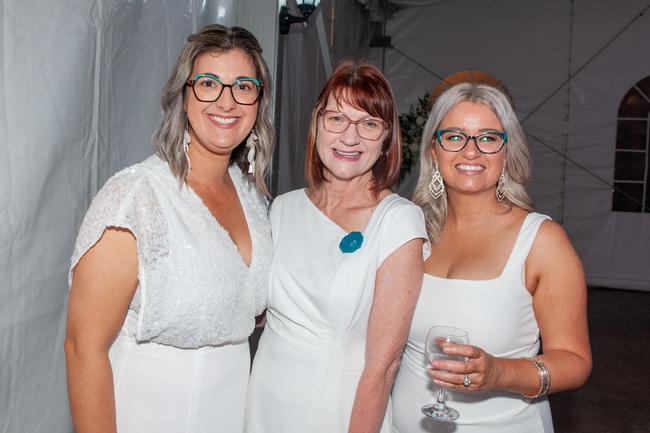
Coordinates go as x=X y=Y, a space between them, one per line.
x=103 y=286
x=555 y=276
x=560 y=305
x=397 y=287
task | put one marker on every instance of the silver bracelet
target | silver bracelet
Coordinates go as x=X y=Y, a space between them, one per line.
x=544 y=378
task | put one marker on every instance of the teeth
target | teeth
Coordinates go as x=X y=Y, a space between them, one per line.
x=350 y=154
x=470 y=167
x=223 y=120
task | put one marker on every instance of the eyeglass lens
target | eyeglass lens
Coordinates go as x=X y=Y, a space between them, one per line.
x=208 y=89
x=488 y=142
x=370 y=129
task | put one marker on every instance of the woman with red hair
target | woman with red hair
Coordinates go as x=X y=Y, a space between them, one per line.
x=346 y=271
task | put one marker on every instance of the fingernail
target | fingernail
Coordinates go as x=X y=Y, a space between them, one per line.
x=449 y=349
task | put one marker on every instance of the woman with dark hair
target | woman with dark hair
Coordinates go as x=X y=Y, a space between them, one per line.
x=171 y=263
x=346 y=271
x=500 y=271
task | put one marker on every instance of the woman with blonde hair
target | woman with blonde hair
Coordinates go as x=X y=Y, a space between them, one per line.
x=505 y=274
x=171 y=263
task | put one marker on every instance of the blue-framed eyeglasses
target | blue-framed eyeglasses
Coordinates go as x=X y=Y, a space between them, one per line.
x=455 y=141
x=209 y=87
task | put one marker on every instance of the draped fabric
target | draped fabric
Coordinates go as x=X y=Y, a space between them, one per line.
x=312 y=352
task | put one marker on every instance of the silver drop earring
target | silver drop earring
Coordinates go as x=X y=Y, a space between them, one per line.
x=502 y=185
x=251 y=143
x=437 y=185
x=187 y=139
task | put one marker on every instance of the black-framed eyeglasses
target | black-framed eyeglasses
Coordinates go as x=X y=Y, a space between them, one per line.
x=455 y=141
x=369 y=128
x=209 y=87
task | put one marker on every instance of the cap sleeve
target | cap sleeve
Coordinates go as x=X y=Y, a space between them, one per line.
x=127 y=201
x=403 y=223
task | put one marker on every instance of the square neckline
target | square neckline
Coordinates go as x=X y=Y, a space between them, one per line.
x=503 y=270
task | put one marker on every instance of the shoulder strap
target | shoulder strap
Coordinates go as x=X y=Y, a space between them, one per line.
x=524 y=242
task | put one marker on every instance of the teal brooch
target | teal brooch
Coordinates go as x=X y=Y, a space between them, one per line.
x=351 y=242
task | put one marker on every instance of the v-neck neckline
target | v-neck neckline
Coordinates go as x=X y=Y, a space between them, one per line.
x=213 y=218
x=335 y=224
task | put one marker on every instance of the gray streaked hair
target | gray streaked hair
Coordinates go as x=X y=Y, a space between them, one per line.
x=168 y=138
x=518 y=164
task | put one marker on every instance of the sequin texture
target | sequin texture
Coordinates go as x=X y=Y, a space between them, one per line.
x=194 y=288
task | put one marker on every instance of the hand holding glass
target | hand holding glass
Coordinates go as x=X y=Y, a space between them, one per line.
x=436 y=338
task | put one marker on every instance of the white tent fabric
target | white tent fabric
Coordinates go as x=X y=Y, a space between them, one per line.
x=79 y=100
x=534 y=48
x=303 y=72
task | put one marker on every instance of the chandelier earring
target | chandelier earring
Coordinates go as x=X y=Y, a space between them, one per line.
x=187 y=139
x=502 y=185
x=251 y=142
x=437 y=185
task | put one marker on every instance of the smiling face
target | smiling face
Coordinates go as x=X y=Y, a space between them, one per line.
x=470 y=171
x=220 y=126
x=346 y=155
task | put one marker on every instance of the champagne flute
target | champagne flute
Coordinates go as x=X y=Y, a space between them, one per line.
x=437 y=336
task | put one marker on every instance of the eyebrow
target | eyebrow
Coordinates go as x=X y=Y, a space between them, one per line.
x=211 y=74
x=463 y=130
x=368 y=115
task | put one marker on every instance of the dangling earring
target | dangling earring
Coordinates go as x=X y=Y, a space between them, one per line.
x=251 y=143
x=437 y=185
x=187 y=139
x=502 y=185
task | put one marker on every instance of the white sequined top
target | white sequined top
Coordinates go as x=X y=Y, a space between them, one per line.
x=194 y=288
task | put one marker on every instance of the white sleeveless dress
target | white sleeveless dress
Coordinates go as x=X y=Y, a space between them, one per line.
x=181 y=360
x=498 y=315
x=311 y=354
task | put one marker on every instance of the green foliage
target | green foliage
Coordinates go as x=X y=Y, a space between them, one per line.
x=412 y=126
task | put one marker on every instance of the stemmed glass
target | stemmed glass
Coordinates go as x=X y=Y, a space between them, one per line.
x=437 y=336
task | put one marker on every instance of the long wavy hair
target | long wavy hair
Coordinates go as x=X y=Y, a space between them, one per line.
x=518 y=164
x=168 y=138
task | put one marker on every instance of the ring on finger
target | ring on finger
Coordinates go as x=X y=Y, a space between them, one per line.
x=467 y=382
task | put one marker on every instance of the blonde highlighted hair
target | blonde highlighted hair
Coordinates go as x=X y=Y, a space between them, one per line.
x=518 y=164
x=168 y=138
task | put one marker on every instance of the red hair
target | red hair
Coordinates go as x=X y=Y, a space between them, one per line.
x=364 y=87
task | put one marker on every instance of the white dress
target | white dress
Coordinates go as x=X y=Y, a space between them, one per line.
x=311 y=354
x=498 y=315
x=181 y=360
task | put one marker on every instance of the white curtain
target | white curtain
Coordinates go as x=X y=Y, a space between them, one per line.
x=338 y=30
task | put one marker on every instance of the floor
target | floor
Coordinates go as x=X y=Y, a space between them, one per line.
x=617 y=396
